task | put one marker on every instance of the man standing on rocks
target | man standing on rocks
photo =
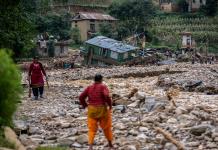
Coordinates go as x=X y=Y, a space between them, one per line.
x=99 y=110
x=35 y=74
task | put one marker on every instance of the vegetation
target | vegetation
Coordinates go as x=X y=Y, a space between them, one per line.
x=51 y=148
x=22 y=20
x=211 y=8
x=133 y=15
x=16 y=30
x=107 y=30
x=10 y=89
x=75 y=35
x=91 y=3
x=183 y=5
x=54 y=24
x=167 y=29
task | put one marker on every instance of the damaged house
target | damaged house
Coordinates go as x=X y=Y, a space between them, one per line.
x=105 y=51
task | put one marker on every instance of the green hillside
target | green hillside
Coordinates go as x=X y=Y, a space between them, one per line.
x=167 y=29
x=99 y=3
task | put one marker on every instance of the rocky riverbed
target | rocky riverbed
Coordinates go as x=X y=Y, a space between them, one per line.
x=141 y=104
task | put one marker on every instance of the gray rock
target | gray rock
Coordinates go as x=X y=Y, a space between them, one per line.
x=82 y=139
x=200 y=129
x=180 y=110
x=211 y=145
x=129 y=147
x=133 y=132
x=33 y=130
x=214 y=134
x=120 y=126
x=76 y=145
x=140 y=95
x=65 y=125
x=134 y=104
x=192 y=144
x=20 y=125
x=170 y=146
x=142 y=137
x=65 y=141
x=143 y=129
x=51 y=137
x=172 y=121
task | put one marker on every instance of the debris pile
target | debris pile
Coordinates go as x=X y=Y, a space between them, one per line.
x=148 y=113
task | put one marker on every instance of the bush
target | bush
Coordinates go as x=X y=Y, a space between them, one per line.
x=75 y=35
x=10 y=88
x=51 y=148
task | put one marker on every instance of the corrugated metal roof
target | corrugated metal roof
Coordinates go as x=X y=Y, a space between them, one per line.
x=93 y=16
x=114 y=45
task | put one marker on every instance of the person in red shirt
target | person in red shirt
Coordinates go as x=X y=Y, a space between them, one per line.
x=36 y=72
x=99 y=110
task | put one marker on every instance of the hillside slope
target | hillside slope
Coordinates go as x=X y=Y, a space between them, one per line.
x=167 y=29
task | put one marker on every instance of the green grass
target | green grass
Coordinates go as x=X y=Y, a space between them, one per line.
x=4 y=142
x=52 y=148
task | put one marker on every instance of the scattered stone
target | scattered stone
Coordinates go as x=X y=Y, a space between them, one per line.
x=82 y=139
x=200 y=129
x=65 y=141
x=193 y=144
x=211 y=145
x=76 y=145
x=57 y=120
x=170 y=146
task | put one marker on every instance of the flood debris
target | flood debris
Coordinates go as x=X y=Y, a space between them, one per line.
x=161 y=110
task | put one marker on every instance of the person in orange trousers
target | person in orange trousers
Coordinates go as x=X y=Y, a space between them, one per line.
x=99 y=110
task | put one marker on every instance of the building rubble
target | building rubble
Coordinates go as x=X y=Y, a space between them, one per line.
x=156 y=107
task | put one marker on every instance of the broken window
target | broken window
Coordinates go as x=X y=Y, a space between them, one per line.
x=114 y=55
x=103 y=52
x=125 y=56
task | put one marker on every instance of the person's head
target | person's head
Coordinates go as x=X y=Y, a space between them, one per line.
x=98 y=78
x=35 y=58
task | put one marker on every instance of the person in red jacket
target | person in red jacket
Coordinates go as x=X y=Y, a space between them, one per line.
x=99 y=110
x=36 y=72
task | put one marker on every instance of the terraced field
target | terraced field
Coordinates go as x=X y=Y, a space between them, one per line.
x=204 y=29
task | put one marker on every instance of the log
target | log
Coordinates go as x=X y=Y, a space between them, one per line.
x=170 y=138
x=132 y=93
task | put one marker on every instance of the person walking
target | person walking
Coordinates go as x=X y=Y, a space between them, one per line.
x=35 y=76
x=99 y=110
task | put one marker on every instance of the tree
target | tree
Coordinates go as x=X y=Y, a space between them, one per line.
x=107 y=30
x=211 y=7
x=10 y=89
x=58 y=25
x=75 y=35
x=133 y=15
x=15 y=27
x=183 y=5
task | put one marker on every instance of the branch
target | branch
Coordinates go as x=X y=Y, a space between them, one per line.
x=169 y=137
